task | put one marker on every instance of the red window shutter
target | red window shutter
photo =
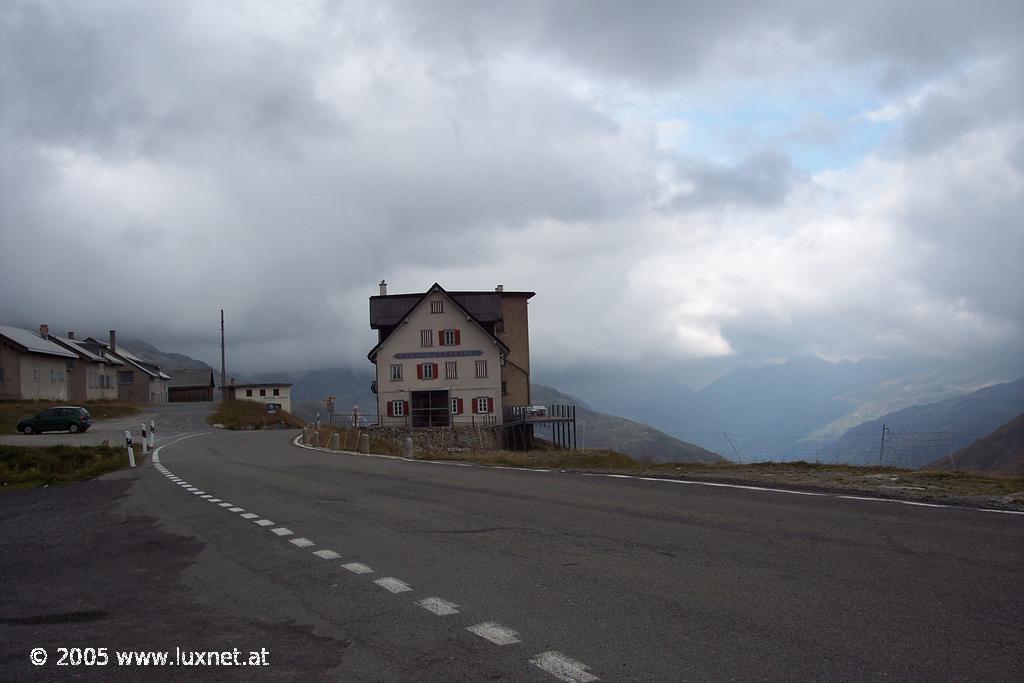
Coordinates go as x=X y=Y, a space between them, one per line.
x=458 y=337
x=391 y=409
x=473 y=402
x=419 y=371
x=405 y=407
x=490 y=404
x=440 y=337
x=435 y=371
x=458 y=406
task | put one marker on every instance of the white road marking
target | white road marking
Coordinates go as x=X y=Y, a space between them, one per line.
x=263 y=522
x=249 y=515
x=496 y=633
x=357 y=568
x=212 y=500
x=326 y=554
x=225 y=505
x=438 y=606
x=206 y=496
x=189 y=487
x=282 y=531
x=236 y=509
x=390 y=583
x=302 y=542
x=198 y=493
x=563 y=668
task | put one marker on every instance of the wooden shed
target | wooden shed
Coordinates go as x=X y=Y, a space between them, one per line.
x=193 y=384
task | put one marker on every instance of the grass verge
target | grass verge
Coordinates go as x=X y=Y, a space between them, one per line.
x=28 y=466
x=12 y=412
x=244 y=415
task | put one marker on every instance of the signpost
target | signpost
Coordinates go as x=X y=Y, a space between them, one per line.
x=128 y=442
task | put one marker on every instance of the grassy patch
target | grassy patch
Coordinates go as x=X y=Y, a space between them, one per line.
x=251 y=415
x=27 y=466
x=13 y=412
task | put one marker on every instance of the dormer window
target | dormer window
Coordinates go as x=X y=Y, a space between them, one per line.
x=437 y=306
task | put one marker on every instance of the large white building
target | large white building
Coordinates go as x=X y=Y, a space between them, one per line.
x=449 y=358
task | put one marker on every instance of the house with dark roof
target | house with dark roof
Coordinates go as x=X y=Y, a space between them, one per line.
x=137 y=380
x=95 y=377
x=32 y=367
x=277 y=393
x=190 y=384
x=449 y=358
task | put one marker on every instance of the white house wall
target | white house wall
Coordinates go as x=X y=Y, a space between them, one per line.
x=44 y=378
x=405 y=340
x=284 y=399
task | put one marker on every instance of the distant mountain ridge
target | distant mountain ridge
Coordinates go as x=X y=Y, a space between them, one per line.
x=1001 y=451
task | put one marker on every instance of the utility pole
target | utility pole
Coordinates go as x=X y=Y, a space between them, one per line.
x=223 y=369
x=881 y=448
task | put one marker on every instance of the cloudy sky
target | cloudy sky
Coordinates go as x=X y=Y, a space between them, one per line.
x=677 y=181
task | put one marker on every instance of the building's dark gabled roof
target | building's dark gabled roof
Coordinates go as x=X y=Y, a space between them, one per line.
x=390 y=309
x=28 y=341
x=191 y=377
x=372 y=355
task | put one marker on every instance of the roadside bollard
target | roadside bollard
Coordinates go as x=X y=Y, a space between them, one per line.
x=306 y=435
x=364 y=443
x=335 y=443
x=128 y=442
x=315 y=440
x=152 y=433
x=145 y=448
x=407 y=451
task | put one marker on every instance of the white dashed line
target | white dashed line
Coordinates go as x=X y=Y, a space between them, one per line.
x=563 y=668
x=389 y=583
x=263 y=522
x=213 y=500
x=496 y=633
x=206 y=496
x=198 y=493
x=357 y=568
x=237 y=510
x=283 y=531
x=249 y=515
x=326 y=554
x=438 y=606
x=225 y=505
x=302 y=542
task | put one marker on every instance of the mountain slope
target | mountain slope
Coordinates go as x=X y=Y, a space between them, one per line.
x=923 y=433
x=601 y=430
x=1001 y=451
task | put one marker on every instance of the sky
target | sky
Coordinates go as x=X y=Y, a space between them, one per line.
x=679 y=182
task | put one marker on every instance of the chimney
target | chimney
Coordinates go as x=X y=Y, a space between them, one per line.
x=71 y=335
x=499 y=288
x=113 y=341
x=44 y=331
x=383 y=288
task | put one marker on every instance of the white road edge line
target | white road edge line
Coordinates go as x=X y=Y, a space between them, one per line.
x=283 y=531
x=236 y=509
x=249 y=515
x=562 y=667
x=302 y=542
x=263 y=522
x=326 y=554
x=357 y=568
x=390 y=583
x=496 y=633
x=438 y=606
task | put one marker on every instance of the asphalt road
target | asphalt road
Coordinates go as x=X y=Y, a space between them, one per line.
x=629 y=579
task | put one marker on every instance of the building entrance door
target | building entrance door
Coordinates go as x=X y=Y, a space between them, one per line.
x=430 y=408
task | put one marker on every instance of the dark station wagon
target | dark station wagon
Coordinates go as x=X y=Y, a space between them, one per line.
x=73 y=419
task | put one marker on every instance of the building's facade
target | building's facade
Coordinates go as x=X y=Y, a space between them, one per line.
x=190 y=384
x=268 y=392
x=95 y=377
x=32 y=367
x=450 y=358
x=137 y=380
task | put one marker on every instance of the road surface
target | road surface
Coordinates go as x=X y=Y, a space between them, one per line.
x=356 y=568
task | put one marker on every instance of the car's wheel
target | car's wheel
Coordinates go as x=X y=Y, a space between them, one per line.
x=73 y=428
x=27 y=429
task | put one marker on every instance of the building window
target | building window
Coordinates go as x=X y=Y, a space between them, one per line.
x=248 y=392
x=126 y=377
x=426 y=338
x=481 y=368
x=35 y=374
x=451 y=370
x=398 y=408
x=277 y=392
x=263 y=392
x=450 y=338
x=456 y=406
x=428 y=371
x=53 y=376
x=396 y=372
x=481 y=405
x=437 y=306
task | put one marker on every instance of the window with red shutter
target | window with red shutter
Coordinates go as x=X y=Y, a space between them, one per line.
x=459 y=400
x=458 y=337
x=440 y=337
x=490 y=405
x=405 y=407
x=434 y=374
x=419 y=371
x=391 y=409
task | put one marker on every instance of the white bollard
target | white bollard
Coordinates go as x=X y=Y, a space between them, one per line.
x=128 y=442
x=145 y=449
x=152 y=433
